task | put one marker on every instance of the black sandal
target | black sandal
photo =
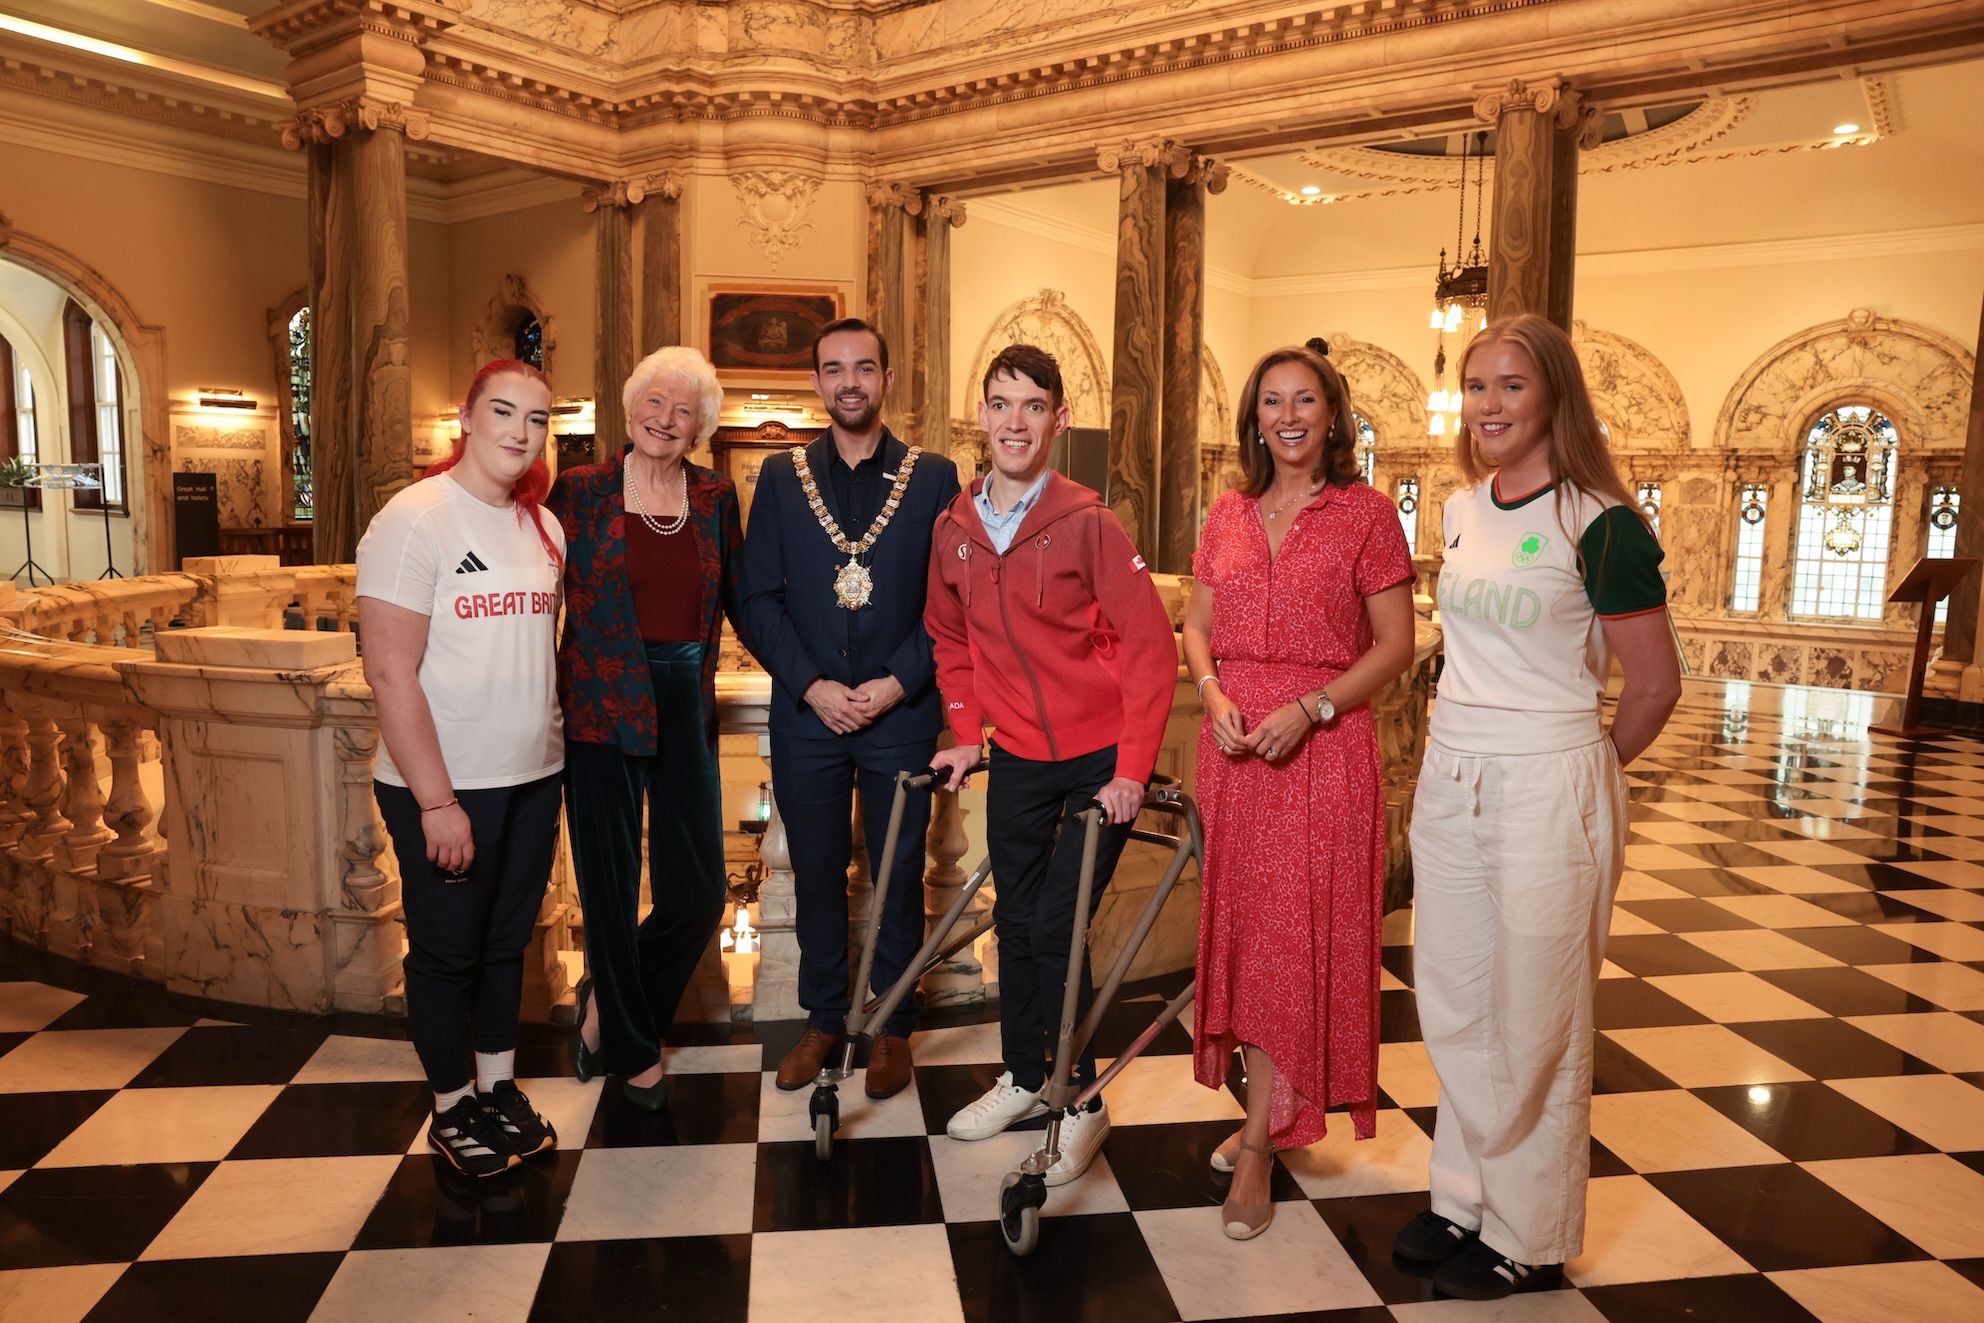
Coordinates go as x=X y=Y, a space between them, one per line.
x=585 y=1061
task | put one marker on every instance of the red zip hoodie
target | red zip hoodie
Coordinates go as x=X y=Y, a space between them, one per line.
x=1062 y=644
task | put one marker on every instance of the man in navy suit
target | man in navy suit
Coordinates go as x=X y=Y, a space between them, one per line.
x=836 y=564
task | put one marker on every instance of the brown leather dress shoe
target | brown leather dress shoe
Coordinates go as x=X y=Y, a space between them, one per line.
x=802 y=1064
x=889 y=1066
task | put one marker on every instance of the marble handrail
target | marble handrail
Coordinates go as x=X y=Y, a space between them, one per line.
x=220 y=590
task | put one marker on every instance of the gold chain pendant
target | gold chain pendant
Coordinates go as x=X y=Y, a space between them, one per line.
x=853 y=586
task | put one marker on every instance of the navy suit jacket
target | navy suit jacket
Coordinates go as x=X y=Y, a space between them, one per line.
x=798 y=630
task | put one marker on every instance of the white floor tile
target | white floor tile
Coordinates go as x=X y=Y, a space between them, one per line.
x=28 y=1007
x=55 y=1061
x=1634 y=1233
x=1944 y=1039
x=1296 y=1264
x=164 y=1125
x=1941 y=1109
x=1930 y=1198
x=1672 y=1130
x=795 y=1274
x=488 y=1283
x=55 y=1295
x=1161 y=1090
x=969 y=1174
x=637 y=1193
x=788 y=1116
x=347 y=1060
x=1885 y=1293
x=1340 y=1165
x=276 y=1206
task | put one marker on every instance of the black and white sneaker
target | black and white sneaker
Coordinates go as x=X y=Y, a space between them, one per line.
x=471 y=1139
x=524 y=1130
x=1430 y=1238
x=1481 y=1273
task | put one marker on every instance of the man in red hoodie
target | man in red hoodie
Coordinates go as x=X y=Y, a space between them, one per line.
x=1047 y=627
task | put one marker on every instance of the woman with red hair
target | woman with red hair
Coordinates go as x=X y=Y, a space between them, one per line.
x=458 y=583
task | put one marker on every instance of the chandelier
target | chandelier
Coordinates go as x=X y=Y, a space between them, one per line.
x=1460 y=291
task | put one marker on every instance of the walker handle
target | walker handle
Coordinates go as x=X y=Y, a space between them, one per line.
x=929 y=776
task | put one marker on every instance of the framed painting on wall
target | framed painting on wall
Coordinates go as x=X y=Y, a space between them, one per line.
x=739 y=452
x=768 y=332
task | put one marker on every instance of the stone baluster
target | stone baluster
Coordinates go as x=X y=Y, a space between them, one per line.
x=82 y=797
x=44 y=786
x=15 y=815
x=363 y=886
x=776 y=996
x=961 y=978
x=127 y=812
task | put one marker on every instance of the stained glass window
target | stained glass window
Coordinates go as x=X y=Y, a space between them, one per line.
x=1845 y=515
x=1944 y=502
x=1367 y=448
x=530 y=342
x=1649 y=497
x=1750 y=515
x=1408 y=511
x=299 y=412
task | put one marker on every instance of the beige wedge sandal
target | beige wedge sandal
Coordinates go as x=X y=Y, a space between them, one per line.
x=1245 y=1221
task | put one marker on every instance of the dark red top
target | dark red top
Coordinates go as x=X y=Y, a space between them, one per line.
x=667 y=582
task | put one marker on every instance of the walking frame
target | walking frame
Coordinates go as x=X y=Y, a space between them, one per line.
x=1022 y=1193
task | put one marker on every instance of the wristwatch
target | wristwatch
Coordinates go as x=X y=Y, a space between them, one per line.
x=1325 y=710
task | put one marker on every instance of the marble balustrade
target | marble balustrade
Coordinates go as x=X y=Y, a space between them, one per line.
x=189 y=799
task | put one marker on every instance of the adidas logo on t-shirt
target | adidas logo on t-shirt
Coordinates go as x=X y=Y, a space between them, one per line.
x=470 y=564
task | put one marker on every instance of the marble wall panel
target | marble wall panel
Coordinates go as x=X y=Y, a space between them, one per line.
x=1781 y=663
x=241 y=486
x=1829 y=667
x=1726 y=658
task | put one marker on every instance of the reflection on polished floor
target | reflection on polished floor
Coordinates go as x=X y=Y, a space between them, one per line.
x=1789 y=1121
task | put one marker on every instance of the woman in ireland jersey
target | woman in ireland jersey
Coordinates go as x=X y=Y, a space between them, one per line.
x=1550 y=573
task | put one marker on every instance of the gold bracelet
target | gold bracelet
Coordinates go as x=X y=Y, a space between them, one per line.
x=1201 y=686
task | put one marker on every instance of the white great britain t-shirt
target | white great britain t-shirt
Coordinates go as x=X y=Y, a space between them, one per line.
x=490 y=592
x=1524 y=585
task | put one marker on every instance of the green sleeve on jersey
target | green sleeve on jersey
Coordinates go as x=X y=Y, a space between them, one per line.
x=1621 y=564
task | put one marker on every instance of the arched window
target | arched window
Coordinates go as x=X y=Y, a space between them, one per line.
x=529 y=341
x=1367 y=447
x=1408 y=511
x=1751 y=511
x=299 y=414
x=1845 y=515
x=1944 y=504
x=96 y=407
x=17 y=431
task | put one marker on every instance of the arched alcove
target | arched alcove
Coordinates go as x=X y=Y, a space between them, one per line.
x=1046 y=320
x=508 y=310
x=1636 y=396
x=140 y=348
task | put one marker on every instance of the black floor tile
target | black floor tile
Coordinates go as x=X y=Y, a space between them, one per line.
x=1604 y=1162
x=8 y=1042
x=1752 y=830
x=53 y=1217
x=209 y=1055
x=339 y=1120
x=133 y=1006
x=867 y=1183
x=1123 y=1022
x=1781 y=1216
x=698 y=1279
x=1398 y=1017
x=274 y=1288
x=1876 y=877
x=1708 y=882
x=1831 y=1049
x=1872 y=907
x=1650 y=955
x=1843 y=991
x=32 y=1124
x=1750 y=1298
x=1615 y=1070
x=1088 y=1269
x=428 y=1203
x=1687 y=916
x=1365 y=1226
x=702 y=1109
x=1970 y=1268
x=1735 y=854
x=1398 y=959
x=1808 y=1121
x=1166 y=1166
x=1630 y=1003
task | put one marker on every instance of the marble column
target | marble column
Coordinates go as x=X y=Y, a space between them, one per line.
x=1137 y=369
x=1179 y=477
x=1538 y=130
x=891 y=207
x=361 y=377
x=613 y=346
x=1960 y=635
x=660 y=215
x=940 y=216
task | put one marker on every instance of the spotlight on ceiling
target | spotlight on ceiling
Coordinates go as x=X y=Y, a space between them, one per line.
x=1843 y=129
x=1310 y=190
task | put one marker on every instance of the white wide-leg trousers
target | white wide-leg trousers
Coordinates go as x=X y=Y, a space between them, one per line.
x=1515 y=860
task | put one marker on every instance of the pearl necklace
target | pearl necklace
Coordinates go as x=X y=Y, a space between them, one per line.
x=635 y=504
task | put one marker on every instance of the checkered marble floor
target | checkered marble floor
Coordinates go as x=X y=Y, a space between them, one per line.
x=1789 y=1120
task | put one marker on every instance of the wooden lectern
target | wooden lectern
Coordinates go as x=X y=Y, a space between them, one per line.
x=1928 y=583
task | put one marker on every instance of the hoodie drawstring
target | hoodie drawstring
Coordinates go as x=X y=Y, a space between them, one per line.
x=1040 y=544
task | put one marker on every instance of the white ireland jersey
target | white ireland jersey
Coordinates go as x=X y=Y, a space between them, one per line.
x=1520 y=611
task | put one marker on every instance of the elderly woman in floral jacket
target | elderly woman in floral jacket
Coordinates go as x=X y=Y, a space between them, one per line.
x=653 y=548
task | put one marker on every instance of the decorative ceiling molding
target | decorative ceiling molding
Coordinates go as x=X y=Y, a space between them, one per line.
x=1883 y=105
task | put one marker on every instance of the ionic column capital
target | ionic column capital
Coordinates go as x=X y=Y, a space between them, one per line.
x=942 y=207
x=633 y=191
x=1556 y=98
x=1175 y=158
x=886 y=193
x=328 y=123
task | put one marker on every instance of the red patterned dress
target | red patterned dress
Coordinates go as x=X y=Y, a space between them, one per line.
x=1294 y=865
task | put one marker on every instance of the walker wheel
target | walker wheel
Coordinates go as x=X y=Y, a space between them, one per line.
x=823 y=1137
x=1019 y=1214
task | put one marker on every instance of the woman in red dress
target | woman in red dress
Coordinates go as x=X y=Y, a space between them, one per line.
x=1302 y=611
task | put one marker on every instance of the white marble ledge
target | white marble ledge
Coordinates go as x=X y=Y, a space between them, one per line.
x=285 y=650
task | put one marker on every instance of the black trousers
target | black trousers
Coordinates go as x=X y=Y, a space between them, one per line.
x=1034 y=840
x=641 y=969
x=814 y=781
x=466 y=940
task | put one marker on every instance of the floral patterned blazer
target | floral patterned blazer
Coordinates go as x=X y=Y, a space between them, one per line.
x=603 y=680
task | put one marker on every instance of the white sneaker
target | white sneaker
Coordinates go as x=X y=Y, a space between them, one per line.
x=1003 y=1106
x=1082 y=1134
